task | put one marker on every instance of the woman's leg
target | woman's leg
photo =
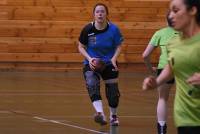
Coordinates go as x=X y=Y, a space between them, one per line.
x=92 y=80
x=110 y=77
x=163 y=91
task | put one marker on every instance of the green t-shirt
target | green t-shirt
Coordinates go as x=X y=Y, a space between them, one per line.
x=184 y=58
x=161 y=38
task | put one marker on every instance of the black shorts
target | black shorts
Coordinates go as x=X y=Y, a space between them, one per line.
x=172 y=81
x=108 y=73
x=189 y=130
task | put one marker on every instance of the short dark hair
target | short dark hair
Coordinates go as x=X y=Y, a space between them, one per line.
x=101 y=4
x=194 y=3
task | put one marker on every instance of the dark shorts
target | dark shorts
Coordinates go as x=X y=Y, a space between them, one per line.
x=189 y=130
x=172 y=81
x=108 y=73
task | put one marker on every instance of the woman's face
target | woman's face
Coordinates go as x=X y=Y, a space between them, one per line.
x=179 y=15
x=100 y=14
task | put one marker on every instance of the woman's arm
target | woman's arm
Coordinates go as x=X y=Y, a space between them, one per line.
x=82 y=50
x=153 y=82
x=194 y=79
x=147 y=58
x=115 y=56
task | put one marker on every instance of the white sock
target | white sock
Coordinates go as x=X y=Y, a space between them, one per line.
x=113 y=111
x=98 y=106
x=162 y=123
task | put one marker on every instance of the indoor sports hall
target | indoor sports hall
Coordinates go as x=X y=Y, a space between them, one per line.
x=42 y=88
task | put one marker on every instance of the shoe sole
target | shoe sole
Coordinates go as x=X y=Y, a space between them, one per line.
x=99 y=119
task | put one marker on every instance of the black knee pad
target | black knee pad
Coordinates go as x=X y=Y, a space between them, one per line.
x=93 y=85
x=112 y=94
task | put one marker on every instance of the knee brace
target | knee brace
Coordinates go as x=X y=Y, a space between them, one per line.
x=93 y=85
x=112 y=94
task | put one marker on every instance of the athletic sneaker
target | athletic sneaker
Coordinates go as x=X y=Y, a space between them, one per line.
x=162 y=129
x=114 y=120
x=100 y=118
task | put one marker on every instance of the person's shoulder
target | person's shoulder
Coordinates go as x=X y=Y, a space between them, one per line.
x=163 y=29
x=158 y=33
x=112 y=25
x=169 y=29
x=88 y=26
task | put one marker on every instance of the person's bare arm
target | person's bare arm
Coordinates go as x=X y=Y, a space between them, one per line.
x=194 y=79
x=82 y=50
x=115 y=56
x=153 y=82
x=147 y=58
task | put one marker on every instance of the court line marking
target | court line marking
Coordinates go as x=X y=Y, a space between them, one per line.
x=62 y=94
x=4 y=112
x=43 y=94
x=120 y=116
x=67 y=124
x=56 y=122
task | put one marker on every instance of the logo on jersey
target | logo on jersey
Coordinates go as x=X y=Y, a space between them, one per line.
x=90 y=34
x=92 y=38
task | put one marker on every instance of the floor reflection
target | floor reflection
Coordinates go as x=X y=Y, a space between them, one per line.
x=114 y=130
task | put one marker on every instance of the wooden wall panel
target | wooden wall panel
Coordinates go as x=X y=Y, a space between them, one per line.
x=35 y=34
x=87 y=3
x=38 y=48
x=62 y=57
x=73 y=13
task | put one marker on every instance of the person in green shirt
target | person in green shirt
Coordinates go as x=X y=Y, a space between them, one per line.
x=184 y=65
x=160 y=39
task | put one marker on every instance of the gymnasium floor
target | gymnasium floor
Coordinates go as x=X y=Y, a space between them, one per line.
x=58 y=103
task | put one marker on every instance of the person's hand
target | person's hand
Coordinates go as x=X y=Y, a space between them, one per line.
x=194 y=79
x=91 y=64
x=114 y=63
x=149 y=83
x=154 y=69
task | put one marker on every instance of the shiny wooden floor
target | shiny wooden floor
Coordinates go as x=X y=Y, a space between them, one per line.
x=58 y=103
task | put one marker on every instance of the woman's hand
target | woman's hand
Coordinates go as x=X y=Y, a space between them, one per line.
x=194 y=79
x=149 y=83
x=91 y=64
x=114 y=63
